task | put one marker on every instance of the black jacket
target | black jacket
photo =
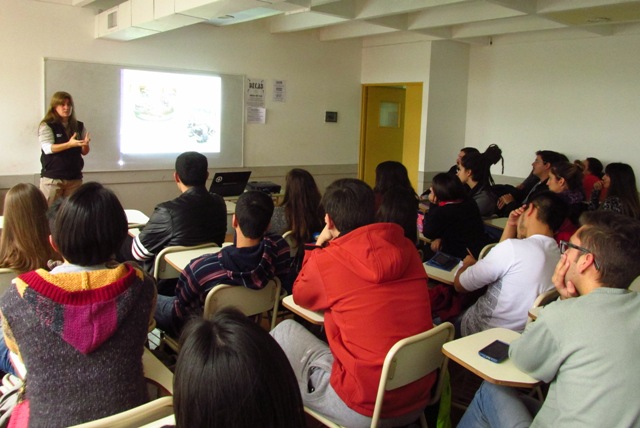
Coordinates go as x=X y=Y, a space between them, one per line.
x=195 y=217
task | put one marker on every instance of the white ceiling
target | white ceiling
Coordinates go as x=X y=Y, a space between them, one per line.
x=470 y=21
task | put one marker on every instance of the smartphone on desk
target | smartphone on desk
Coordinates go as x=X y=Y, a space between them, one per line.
x=496 y=351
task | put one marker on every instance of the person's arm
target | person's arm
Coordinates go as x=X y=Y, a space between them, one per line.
x=511 y=228
x=154 y=236
x=309 y=290
x=537 y=351
x=492 y=267
x=466 y=263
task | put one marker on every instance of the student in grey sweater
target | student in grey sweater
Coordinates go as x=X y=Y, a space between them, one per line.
x=585 y=345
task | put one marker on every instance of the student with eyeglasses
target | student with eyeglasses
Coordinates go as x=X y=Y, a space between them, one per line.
x=584 y=344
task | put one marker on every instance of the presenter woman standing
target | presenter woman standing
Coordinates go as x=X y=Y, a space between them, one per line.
x=64 y=140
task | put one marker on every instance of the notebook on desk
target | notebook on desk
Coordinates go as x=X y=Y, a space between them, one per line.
x=443 y=261
x=229 y=183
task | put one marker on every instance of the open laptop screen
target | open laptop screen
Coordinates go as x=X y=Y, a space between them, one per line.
x=229 y=183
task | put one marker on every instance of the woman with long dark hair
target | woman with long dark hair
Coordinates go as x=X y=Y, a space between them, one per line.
x=474 y=170
x=622 y=192
x=453 y=222
x=300 y=211
x=231 y=373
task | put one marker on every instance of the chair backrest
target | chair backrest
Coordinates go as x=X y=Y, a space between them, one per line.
x=411 y=359
x=136 y=417
x=6 y=276
x=246 y=300
x=485 y=250
x=293 y=245
x=635 y=285
x=162 y=270
x=546 y=298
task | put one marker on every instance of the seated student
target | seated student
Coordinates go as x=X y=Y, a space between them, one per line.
x=474 y=170
x=195 y=217
x=513 y=199
x=453 y=222
x=81 y=328
x=517 y=270
x=253 y=260
x=619 y=181
x=585 y=344
x=300 y=212
x=565 y=179
x=462 y=153
x=231 y=373
x=400 y=205
x=592 y=170
x=24 y=244
x=372 y=287
x=391 y=174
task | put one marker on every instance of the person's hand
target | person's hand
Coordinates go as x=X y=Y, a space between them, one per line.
x=79 y=143
x=469 y=260
x=436 y=244
x=514 y=215
x=598 y=185
x=505 y=199
x=87 y=139
x=325 y=236
x=566 y=289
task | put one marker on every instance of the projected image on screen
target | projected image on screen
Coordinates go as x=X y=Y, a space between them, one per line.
x=169 y=113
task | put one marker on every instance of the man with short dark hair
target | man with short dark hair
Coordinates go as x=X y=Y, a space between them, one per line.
x=540 y=168
x=369 y=281
x=585 y=344
x=195 y=217
x=252 y=262
x=516 y=270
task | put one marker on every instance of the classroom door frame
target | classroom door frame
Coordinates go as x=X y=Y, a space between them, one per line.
x=412 y=124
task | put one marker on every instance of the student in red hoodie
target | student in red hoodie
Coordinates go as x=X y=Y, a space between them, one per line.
x=372 y=287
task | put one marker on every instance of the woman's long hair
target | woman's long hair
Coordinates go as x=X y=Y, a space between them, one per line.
x=52 y=115
x=571 y=173
x=302 y=207
x=623 y=186
x=480 y=164
x=24 y=245
x=232 y=373
x=391 y=174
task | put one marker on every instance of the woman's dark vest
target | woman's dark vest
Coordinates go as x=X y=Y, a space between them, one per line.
x=65 y=165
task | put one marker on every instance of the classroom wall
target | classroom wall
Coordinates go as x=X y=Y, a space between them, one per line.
x=319 y=76
x=580 y=97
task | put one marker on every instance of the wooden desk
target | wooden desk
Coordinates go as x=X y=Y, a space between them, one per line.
x=136 y=218
x=180 y=259
x=464 y=351
x=312 y=316
x=133 y=232
x=444 y=276
x=496 y=222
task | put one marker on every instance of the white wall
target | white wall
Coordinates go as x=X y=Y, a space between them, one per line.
x=580 y=97
x=319 y=76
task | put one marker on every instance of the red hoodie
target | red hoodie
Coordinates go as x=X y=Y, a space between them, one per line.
x=372 y=287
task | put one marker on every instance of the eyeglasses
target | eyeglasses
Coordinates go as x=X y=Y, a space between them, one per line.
x=565 y=245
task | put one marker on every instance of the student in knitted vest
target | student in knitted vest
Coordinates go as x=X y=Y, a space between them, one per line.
x=80 y=329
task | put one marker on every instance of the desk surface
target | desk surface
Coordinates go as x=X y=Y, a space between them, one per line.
x=444 y=276
x=497 y=222
x=464 y=351
x=311 y=316
x=136 y=217
x=180 y=259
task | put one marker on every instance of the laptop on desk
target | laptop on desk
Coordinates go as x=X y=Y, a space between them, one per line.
x=229 y=183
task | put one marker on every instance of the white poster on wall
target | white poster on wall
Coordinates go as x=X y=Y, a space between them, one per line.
x=255 y=93
x=279 y=91
x=256 y=115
